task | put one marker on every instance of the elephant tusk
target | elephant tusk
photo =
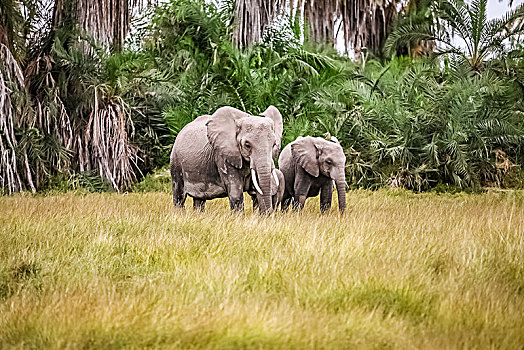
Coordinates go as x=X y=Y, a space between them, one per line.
x=276 y=177
x=335 y=184
x=254 y=176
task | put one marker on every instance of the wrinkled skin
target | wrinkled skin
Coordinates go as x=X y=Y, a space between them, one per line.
x=277 y=191
x=310 y=165
x=213 y=157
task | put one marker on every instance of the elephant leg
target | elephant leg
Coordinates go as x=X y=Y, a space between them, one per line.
x=234 y=184
x=277 y=200
x=177 y=182
x=236 y=196
x=326 y=194
x=255 y=202
x=287 y=199
x=236 y=204
x=286 y=202
x=301 y=191
x=299 y=202
x=198 y=204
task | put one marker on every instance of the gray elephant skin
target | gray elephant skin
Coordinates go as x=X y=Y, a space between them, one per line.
x=225 y=154
x=277 y=190
x=310 y=165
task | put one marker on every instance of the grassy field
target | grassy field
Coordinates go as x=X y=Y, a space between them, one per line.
x=397 y=270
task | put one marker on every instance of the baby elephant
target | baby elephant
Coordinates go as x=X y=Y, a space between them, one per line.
x=309 y=165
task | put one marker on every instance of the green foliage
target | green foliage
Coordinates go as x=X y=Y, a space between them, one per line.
x=482 y=38
x=431 y=126
x=81 y=182
x=404 y=123
x=158 y=181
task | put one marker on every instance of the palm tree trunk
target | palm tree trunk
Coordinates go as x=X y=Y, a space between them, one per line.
x=251 y=19
x=364 y=23
x=108 y=21
x=320 y=17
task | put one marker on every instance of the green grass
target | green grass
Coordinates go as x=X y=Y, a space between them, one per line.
x=397 y=270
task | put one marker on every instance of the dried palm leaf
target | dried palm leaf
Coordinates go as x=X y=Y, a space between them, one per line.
x=11 y=82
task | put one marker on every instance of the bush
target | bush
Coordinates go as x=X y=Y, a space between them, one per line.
x=158 y=181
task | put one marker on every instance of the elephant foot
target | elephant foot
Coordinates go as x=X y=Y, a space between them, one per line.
x=255 y=203
x=285 y=204
x=299 y=203
x=179 y=204
x=198 y=204
x=324 y=208
x=236 y=204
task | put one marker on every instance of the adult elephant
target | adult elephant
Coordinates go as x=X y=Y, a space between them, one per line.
x=309 y=165
x=219 y=155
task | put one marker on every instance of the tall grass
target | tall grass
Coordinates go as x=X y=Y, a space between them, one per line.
x=397 y=270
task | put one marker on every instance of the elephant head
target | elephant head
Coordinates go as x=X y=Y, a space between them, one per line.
x=241 y=139
x=321 y=157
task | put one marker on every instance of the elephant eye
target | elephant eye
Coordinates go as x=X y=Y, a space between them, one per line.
x=247 y=145
x=328 y=162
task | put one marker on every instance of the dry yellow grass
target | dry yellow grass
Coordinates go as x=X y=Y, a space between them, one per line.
x=397 y=270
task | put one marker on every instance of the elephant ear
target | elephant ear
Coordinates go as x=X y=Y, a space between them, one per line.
x=305 y=153
x=274 y=114
x=222 y=134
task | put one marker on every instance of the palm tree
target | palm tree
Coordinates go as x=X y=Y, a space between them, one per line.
x=107 y=21
x=14 y=166
x=482 y=38
x=364 y=23
x=251 y=17
x=61 y=111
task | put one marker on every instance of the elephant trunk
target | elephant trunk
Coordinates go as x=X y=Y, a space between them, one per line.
x=263 y=174
x=340 y=183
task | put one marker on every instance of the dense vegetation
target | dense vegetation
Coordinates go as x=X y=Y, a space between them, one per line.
x=77 y=114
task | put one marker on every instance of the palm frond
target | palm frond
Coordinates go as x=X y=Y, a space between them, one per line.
x=407 y=33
